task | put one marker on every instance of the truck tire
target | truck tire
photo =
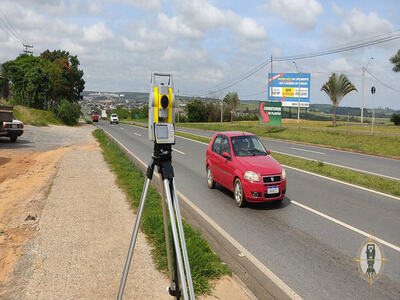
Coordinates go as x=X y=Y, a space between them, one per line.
x=13 y=139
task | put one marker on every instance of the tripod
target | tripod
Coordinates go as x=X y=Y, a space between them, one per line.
x=181 y=271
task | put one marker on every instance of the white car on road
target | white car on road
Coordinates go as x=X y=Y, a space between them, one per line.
x=114 y=119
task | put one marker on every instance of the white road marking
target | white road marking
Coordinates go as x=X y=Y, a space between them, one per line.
x=343 y=182
x=121 y=128
x=340 y=166
x=305 y=150
x=178 y=151
x=267 y=272
x=366 y=234
x=135 y=133
x=192 y=140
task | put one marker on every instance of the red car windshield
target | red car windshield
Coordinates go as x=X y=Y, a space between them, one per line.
x=247 y=145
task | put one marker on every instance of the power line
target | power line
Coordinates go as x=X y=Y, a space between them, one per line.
x=352 y=46
x=381 y=82
x=374 y=40
x=11 y=28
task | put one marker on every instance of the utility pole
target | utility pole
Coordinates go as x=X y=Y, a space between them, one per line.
x=222 y=108
x=26 y=51
x=177 y=98
x=298 y=104
x=272 y=87
x=362 y=89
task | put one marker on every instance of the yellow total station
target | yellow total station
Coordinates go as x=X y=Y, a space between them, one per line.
x=163 y=102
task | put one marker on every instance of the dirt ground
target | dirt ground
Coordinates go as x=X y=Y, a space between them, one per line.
x=64 y=232
x=24 y=180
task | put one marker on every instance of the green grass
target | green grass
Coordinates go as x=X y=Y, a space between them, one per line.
x=384 y=185
x=36 y=117
x=205 y=265
x=32 y=116
x=388 y=145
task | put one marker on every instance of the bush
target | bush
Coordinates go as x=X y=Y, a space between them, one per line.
x=395 y=119
x=69 y=112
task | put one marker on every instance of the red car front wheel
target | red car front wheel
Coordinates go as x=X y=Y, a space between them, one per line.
x=238 y=193
x=210 y=179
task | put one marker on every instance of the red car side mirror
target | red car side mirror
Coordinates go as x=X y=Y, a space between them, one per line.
x=226 y=155
x=268 y=151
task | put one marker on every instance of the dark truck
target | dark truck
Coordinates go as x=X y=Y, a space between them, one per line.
x=9 y=125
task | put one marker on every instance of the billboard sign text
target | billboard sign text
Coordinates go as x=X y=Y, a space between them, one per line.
x=286 y=89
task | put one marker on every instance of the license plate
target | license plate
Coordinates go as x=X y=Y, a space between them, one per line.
x=14 y=126
x=273 y=189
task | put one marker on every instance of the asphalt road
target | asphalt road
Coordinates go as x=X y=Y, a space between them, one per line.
x=375 y=165
x=309 y=240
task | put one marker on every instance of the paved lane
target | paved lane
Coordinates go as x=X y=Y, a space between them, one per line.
x=310 y=253
x=375 y=165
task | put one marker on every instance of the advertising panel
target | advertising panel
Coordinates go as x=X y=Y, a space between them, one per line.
x=286 y=89
x=270 y=113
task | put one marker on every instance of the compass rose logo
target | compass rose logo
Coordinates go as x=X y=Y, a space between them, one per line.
x=370 y=260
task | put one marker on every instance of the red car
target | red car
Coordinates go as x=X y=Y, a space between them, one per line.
x=239 y=162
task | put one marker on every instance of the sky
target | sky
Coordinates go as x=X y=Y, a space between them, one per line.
x=206 y=43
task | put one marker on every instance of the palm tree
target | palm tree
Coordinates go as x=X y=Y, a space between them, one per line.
x=336 y=88
x=232 y=99
x=395 y=59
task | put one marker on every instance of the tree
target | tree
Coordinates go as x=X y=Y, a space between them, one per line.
x=232 y=99
x=395 y=59
x=395 y=119
x=69 y=112
x=73 y=82
x=336 y=88
x=197 y=111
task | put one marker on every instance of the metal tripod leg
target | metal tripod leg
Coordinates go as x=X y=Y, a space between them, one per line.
x=133 y=239
x=175 y=238
x=183 y=241
x=166 y=233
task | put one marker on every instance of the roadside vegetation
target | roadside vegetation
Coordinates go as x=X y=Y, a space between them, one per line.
x=377 y=183
x=50 y=82
x=336 y=88
x=380 y=144
x=205 y=265
x=32 y=116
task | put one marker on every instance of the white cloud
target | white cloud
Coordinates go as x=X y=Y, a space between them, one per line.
x=147 y=5
x=202 y=15
x=97 y=33
x=250 y=30
x=194 y=18
x=94 y=9
x=176 y=27
x=356 y=25
x=337 y=10
x=339 y=64
x=302 y=14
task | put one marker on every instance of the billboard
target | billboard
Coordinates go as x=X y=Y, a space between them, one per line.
x=270 y=113
x=286 y=89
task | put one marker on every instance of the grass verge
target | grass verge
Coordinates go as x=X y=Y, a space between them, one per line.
x=388 y=145
x=377 y=183
x=205 y=265
x=36 y=117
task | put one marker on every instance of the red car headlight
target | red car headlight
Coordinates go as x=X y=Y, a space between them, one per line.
x=251 y=176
